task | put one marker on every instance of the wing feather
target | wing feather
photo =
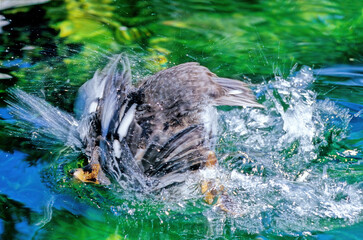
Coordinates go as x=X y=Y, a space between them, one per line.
x=236 y=93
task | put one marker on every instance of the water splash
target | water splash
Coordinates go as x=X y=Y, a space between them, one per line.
x=277 y=163
x=280 y=167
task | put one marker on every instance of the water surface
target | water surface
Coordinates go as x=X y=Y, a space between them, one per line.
x=291 y=170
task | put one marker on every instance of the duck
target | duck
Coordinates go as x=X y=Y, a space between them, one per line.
x=152 y=133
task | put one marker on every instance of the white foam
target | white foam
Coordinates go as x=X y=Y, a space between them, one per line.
x=209 y=117
x=275 y=178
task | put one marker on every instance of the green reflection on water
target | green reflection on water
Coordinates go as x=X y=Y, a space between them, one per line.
x=233 y=39
x=60 y=44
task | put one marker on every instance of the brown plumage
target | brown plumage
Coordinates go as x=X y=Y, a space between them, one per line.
x=158 y=130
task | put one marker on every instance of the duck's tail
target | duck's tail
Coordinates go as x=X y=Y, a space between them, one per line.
x=41 y=122
x=236 y=93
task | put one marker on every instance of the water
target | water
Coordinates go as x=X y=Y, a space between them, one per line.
x=279 y=176
x=280 y=171
x=292 y=170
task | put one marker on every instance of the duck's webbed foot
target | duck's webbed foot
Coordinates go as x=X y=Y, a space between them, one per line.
x=91 y=173
x=213 y=190
x=210 y=188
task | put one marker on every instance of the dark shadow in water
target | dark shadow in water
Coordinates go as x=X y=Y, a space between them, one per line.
x=12 y=212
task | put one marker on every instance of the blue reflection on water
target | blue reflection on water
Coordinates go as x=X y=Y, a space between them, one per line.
x=22 y=182
x=17 y=63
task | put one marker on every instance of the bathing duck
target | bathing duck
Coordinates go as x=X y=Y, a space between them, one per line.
x=154 y=132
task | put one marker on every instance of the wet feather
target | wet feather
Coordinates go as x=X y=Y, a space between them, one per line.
x=145 y=136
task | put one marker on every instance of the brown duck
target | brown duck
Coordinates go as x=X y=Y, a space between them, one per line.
x=151 y=134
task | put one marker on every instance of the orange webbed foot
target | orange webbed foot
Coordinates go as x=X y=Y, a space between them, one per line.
x=92 y=173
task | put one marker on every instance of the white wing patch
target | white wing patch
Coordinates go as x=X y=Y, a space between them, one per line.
x=117 y=148
x=126 y=121
x=92 y=107
x=235 y=92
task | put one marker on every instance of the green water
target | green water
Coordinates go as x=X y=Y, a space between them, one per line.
x=293 y=170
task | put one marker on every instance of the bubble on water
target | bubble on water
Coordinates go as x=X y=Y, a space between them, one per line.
x=270 y=160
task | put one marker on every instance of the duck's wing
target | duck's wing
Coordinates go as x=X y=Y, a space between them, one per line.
x=184 y=151
x=99 y=97
x=106 y=111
